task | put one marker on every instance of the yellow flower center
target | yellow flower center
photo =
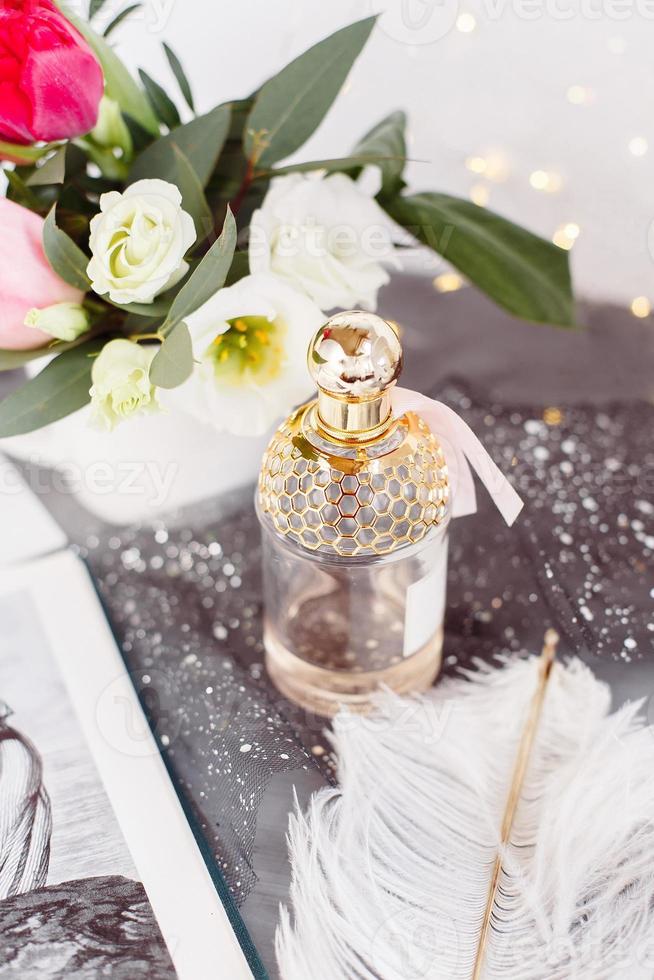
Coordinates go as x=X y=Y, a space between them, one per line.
x=251 y=350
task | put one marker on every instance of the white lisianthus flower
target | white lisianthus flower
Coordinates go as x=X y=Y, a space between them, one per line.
x=138 y=242
x=121 y=383
x=251 y=341
x=325 y=236
x=65 y=321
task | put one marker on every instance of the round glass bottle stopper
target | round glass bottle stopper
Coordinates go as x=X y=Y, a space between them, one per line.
x=355 y=359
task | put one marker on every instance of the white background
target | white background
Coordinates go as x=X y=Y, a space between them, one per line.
x=501 y=87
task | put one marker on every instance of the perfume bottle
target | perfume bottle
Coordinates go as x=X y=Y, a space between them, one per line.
x=354 y=509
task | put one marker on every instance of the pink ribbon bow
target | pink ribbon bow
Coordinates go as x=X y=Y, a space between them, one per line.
x=462 y=450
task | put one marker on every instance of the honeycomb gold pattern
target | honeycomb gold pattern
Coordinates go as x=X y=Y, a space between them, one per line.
x=354 y=507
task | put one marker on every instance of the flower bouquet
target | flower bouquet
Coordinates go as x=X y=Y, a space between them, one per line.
x=156 y=258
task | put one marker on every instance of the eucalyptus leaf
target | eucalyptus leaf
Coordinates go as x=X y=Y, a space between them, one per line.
x=119 y=84
x=140 y=137
x=208 y=277
x=239 y=268
x=157 y=309
x=95 y=6
x=19 y=192
x=61 y=388
x=200 y=140
x=193 y=199
x=162 y=104
x=333 y=165
x=387 y=141
x=290 y=106
x=65 y=257
x=23 y=154
x=138 y=323
x=51 y=171
x=120 y=17
x=12 y=359
x=173 y=362
x=180 y=75
x=523 y=273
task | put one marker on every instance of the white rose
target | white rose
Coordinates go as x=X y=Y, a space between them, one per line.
x=138 y=242
x=121 y=383
x=251 y=342
x=325 y=236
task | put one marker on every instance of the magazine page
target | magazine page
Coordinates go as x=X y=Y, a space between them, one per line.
x=100 y=874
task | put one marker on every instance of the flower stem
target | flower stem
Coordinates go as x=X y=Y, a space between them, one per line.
x=244 y=188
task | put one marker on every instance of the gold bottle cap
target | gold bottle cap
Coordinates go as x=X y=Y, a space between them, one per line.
x=355 y=359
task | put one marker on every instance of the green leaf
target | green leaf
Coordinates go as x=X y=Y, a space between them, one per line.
x=290 y=106
x=163 y=105
x=136 y=323
x=525 y=274
x=173 y=362
x=51 y=171
x=65 y=257
x=140 y=137
x=333 y=165
x=386 y=140
x=207 y=278
x=180 y=75
x=94 y=7
x=12 y=359
x=21 y=193
x=200 y=140
x=239 y=268
x=61 y=388
x=120 y=17
x=193 y=199
x=119 y=84
x=156 y=309
x=23 y=154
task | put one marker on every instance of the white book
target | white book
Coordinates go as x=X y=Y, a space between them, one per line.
x=98 y=864
x=26 y=528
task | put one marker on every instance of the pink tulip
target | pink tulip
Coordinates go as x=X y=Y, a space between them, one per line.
x=50 y=81
x=26 y=279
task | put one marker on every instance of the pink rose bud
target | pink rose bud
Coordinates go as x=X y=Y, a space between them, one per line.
x=50 y=81
x=26 y=279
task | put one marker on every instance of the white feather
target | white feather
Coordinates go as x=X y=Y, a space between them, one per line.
x=391 y=871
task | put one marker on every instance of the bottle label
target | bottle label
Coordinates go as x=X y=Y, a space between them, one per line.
x=425 y=604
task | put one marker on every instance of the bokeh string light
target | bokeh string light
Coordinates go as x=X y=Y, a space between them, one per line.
x=495 y=167
x=638 y=146
x=448 y=282
x=641 y=307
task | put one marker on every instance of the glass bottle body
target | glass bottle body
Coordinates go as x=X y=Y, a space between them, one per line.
x=337 y=629
x=354 y=560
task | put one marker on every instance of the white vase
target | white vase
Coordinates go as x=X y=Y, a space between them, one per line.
x=147 y=466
